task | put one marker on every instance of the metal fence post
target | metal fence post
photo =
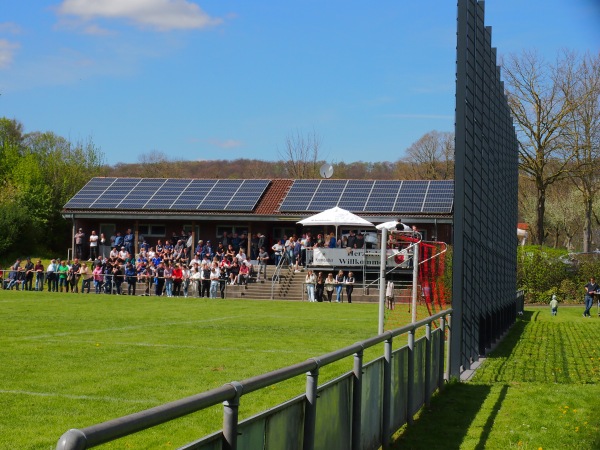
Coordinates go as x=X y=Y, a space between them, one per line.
x=230 y=418
x=410 y=377
x=448 y=347
x=357 y=400
x=386 y=416
x=428 y=364
x=310 y=408
x=442 y=358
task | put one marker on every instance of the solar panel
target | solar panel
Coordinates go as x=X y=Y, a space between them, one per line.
x=300 y=195
x=355 y=195
x=380 y=196
x=89 y=193
x=193 y=194
x=411 y=196
x=383 y=196
x=113 y=195
x=248 y=194
x=141 y=193
x=327 y=195
x=172 y=193
x=166 y=194
x=440 y=197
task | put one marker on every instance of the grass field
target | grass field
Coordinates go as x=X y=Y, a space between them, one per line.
x=73 y=360
x=540 y=389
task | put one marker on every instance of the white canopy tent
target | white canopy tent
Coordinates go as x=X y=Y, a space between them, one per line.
x=336 y=217
x=393 y=225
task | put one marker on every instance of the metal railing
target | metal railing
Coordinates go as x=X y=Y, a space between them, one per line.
x=397 y=385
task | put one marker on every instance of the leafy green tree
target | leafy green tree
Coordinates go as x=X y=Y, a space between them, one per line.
x=39 y=174
x=540 y=272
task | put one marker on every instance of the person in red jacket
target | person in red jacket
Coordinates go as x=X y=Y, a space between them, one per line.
x=177 y=280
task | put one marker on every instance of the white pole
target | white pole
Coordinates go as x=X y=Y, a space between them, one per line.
x=382 y=263
x=415 y=280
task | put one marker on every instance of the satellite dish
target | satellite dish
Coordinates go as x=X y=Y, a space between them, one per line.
x=326 y=170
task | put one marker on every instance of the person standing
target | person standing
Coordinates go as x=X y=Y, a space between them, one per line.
x=29 y=269
x=350 y=280
x=98 y=274
x=215 y=274
x=79 y=240
x=329 y=286
x=339 y=286
x=128 y=241
x=168 y=274
x=277 y=251
x=131 y=277
x=389 y=295
x=554 y=305
x=62 y=271
x=177 y=279
x=310 y=281
x=39 y=275
x=93 y=245
x=74 y=273
x=263 y=259
x=591 y=289
x=160 y=279
x=86 y=277
x=319 y=287
x=104 y=248
x=332 y=241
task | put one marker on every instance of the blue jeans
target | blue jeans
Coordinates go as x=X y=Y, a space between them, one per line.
x=310 y=289
x=589 y=301
x=214 y=286
x=338 y=292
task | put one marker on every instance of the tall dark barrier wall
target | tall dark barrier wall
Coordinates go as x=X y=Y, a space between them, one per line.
x=485 y=217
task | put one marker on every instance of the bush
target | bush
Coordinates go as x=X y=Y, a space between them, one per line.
x=540 y=272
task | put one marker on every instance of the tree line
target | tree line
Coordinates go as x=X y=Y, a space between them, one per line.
x=39 y=173
x=555 y=108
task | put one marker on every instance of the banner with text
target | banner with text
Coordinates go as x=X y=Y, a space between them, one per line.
x=341 y=257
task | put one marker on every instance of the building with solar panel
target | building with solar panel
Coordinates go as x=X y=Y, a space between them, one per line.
x=163 y=208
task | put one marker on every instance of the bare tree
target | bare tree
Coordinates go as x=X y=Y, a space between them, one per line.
x=563 y=217
x=583 y=139
x=301 y=155
x=539 y=98
x=432 y=156
x=156 y=164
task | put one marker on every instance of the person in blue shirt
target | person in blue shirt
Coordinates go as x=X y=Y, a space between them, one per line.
x=591 y=289
x=332 y=241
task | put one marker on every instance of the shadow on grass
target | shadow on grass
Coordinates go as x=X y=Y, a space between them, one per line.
x=452 y=415
x=458 y=413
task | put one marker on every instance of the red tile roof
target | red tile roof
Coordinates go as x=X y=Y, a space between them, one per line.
x=273 y=196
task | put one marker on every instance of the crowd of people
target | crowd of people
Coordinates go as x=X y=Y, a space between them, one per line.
x=177 y=267
x=320 y=287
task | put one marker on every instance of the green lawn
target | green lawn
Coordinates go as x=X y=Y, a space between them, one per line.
x=538 y=390
x=73 y=360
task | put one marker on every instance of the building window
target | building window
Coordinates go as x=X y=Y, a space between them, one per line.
x=279 y=232
x=152 y=230
x=230 y=229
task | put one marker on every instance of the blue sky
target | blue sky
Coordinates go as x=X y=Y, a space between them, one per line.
x=200 y=80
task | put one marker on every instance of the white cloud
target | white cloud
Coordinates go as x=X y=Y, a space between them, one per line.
x=162 y=15
x=7 y=51
x=10 y=27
